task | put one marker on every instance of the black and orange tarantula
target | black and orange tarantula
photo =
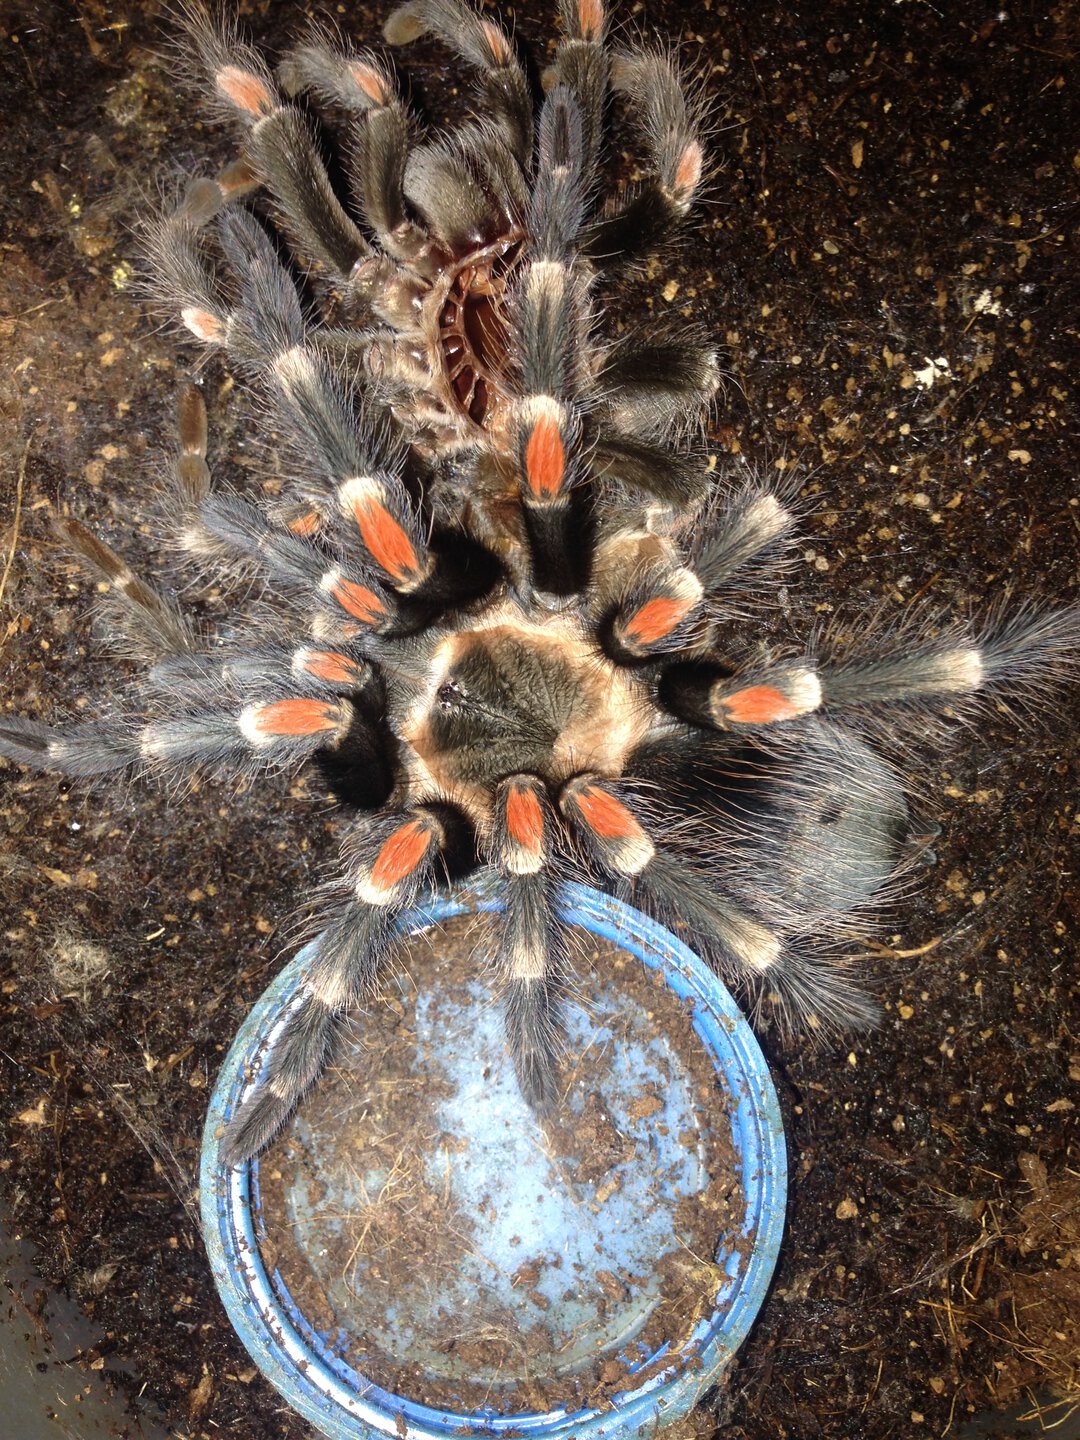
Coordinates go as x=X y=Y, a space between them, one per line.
x=505 y=605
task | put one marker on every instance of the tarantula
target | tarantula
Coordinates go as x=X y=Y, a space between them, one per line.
x=505 y=606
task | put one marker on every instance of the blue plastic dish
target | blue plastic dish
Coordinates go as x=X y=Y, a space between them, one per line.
x=487 y=1152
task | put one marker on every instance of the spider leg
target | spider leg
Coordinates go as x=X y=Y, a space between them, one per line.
x=182 y=277
x=748 y=526
x=468 y=191
x=581 y=63
x=281 y=146
x=80 y=750
x=530 y=959
x=265 y=319
x=144 y=623
x=504 y=91
x=254 y=669
x=671 y=121
x=267 y=734
x=1020 y=654
x=647 y=601
x=348 y=477
x=659 y=471
x=359 y=83
x=1023 y=655
x=191 y=472
x=555 y=330
x=557 y=205
x=388 y=864
x=268 y=707
x=552 y=339
x=670 y=118
x=617 y=841
x=800 y=980
x=352 y=602
x=652 y=609
x=710 y=694
x=656 y=390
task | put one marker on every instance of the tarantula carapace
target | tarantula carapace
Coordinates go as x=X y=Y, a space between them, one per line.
x=505 y=606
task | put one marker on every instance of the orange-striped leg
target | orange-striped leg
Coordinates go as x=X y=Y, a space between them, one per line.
x=671 y=120
x=387 y=529
x=281 y=147
x=616 y=840
x=549 y=437
x=726 y=701
x=1025 y=653
x=551 y=335
x=360 y=84
x=504 y=90
x=530 y=957
x=390 y=863
x=212 y=680
x=582 y=65
x=656 y=614
x=265 y=735
x=350 y=605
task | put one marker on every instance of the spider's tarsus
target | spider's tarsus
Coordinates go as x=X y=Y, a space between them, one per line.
x=745 y=946
x=252 y=1128
x=1025 y=654
x=144 y=624
x=532 y=1037
x=78 y=750
x=742 y=528
x=26 y=742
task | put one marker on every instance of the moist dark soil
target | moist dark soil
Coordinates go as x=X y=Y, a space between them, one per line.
x=888 y=259
x=411 y=1236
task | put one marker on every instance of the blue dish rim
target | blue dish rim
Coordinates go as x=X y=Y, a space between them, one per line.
x=318 y=1389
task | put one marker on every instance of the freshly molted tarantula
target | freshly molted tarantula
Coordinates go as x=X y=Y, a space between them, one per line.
x=505 y=602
